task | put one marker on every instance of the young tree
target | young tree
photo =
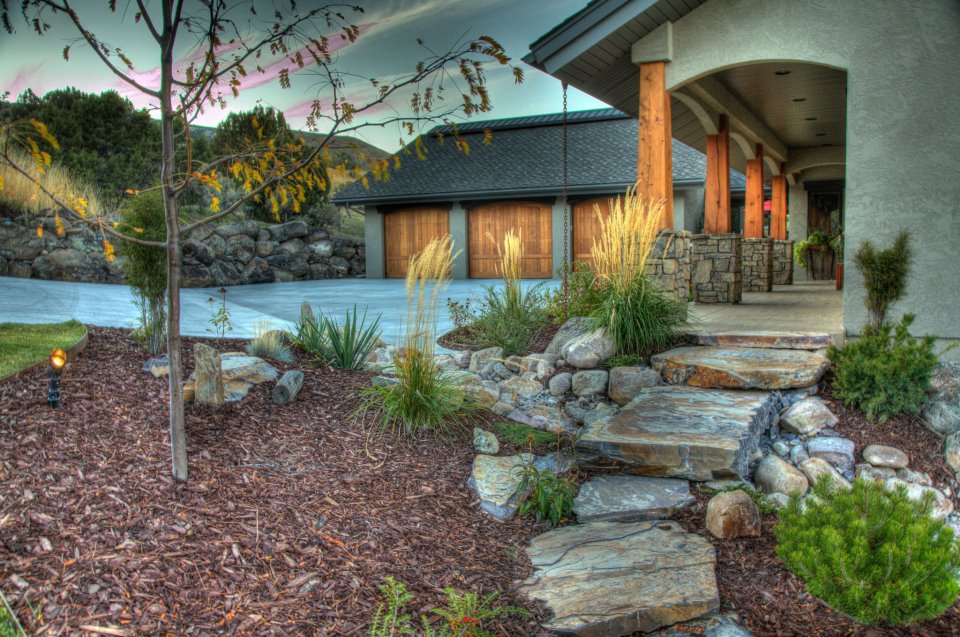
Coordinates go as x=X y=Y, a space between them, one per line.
x=224 y=51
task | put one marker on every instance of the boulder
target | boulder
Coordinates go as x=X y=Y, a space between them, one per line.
x=247 y=227
x=616 y=578
x=196 y=252
x=952 y=450
x=626 y=382
x=835 y=450
x=807 y=417
x=479 y=394
x=293 y=247
x=68 y=264
x=883 y=456
x=479 y=358
x=778 y=476
x=485 y=441
x=340 y=265
x=630 y=498
x=561 y=383
x=740 y=367
x=265 y=248
x=733 y=514
x=941 y=414
x=916 y=477
x=195 y=276
x=572 y=328
x=942 y=505
x=813 y=468
x=495 y=479
x=323 y=249
x=868 y=472
x=589 y=383
x=240 y=247
x=257 y=271
x=519 y=387
x=208 y=385
x=588 y=350
x=289 y=230
x=715 y=625
x=551 y=418
x=599 y=412
x=216 y=244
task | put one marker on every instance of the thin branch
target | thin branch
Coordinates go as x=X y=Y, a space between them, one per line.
x=148 y=21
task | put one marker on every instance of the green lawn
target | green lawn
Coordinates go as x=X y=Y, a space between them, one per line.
x=8 y=625
x=23 y=344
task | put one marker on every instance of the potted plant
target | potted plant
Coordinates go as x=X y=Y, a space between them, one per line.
x=816 y=255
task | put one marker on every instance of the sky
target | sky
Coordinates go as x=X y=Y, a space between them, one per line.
x=387 y=48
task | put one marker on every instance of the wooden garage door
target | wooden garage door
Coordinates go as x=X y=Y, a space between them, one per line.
x=586 y=226
x=532 y=220
x=407 y=232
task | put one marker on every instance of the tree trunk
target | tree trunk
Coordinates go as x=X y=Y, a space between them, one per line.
x=178 y=437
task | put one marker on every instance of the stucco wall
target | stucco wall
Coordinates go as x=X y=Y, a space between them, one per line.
x=903 y=134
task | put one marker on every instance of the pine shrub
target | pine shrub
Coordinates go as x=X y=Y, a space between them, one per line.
x=885 y=275
x=871 y=553
x=886 y=372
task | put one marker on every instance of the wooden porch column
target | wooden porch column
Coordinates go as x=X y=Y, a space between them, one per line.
x=778 y=206
x=753 y=216
x=716 y=218
x=655 y=151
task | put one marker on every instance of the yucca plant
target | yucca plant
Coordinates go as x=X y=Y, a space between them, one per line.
x=636 y=314
x=270 y=343
x=347 y=345
x=424 y=398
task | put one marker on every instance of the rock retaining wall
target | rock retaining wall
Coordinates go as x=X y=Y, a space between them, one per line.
x=230 y=254
x=782 y=262
x=670 y=263
x=757 y=258
x=716 y=269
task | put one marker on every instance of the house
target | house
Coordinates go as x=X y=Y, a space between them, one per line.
x=846 y=109
x=513 y=178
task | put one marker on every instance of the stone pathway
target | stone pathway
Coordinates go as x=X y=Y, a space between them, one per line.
x=812 y=341
x=740 y=367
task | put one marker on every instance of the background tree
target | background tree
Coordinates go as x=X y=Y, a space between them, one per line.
x=225 y=51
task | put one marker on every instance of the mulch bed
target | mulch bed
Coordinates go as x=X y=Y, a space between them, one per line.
x=463 y=338
x=291 y=518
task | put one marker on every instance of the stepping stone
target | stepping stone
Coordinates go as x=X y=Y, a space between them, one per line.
x=740 y=367
x=630 y=498
x=768 y=339
x=612 y=578
x=680 y=432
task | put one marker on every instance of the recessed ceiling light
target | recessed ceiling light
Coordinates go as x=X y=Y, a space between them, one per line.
x=782 y=72
x=811 y=119
x=799 y=99
x=821 y=134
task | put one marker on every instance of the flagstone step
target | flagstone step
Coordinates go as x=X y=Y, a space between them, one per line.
x=740 y=367
x=630 y=498
x=613 y=578
x=680 y=432
x=766 y=339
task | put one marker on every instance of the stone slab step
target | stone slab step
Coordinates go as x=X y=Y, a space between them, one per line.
x=605 y=578
x=767 y=339
x=740 y=367
x=630 y=498
x=680 y=432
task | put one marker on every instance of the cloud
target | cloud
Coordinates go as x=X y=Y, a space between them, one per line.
x=26 y=77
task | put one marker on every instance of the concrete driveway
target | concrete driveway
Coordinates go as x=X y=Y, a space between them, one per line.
x=38 y=301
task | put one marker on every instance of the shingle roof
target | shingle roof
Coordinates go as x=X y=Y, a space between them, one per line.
x=524 y=158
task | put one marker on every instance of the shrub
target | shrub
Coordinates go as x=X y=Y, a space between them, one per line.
x=886 y=372
x=145 y=267
x=343 y=346
x=640 y=319
x=624 y=360
x=871 y=553
x=551 y=496
x=884 y=273
x=269 y=343
x=580 y=297
x=518 y=434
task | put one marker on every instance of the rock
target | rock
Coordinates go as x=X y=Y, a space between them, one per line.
x=916 y=477
x=739 y=367
x=613 y=578
x=951 y=451
x=322 y=249
x=258 y=271
x=682 y=432
x=724 y=485
x=590 y=382
x=599 y=412
x=778 y=500
x=763 y=339
x=869 y=472
x=630 y=498
x=555 y=462
x=485 y=441
x=807 y=417
x=798 y=454
x=70 y=265
x=781 y=448
x=573 y=327
x=159 y=366
x=501 y=408
x=241 y=248
x=383 y=381
x=561 y=383
x=208 y=387
x=626 y=382
x=247 y=227
x=777 y=476
x=941 y=414
x=287 y=388
x=340 y=265
x=289 y=230
x=588 y=350
x=495 y=480
x=265 y=248
x=479 y=394
x=551 y=418
x=942 y=506
x=479 y=358
x=519 y=387
x=733 y=514
x=711 y=626
x=835 y=450
x=813 y=468
x=195 y=276
x=295 y=248
x=883 y=456
x=196 y=251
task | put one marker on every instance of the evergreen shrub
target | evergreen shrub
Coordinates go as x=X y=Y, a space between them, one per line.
x=884 y=273
x=871 y=553
x=145 y=267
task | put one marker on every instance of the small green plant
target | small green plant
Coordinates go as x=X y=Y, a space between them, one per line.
x=624 y=360
x=885 y=372
x=551 y=496
x=885 y=274
x=464 y=615
x=460 y=313
x=9 y=624
x=871 y=553
x=269 y=343
x=518 y=434
x=347 y=345
x=220 y=316
x=580 y=297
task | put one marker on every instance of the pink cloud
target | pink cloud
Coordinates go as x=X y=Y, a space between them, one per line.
x=26 y=78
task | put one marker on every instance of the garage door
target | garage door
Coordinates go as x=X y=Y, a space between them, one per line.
x=586 y=226
x=489 y=224
x=406 y=232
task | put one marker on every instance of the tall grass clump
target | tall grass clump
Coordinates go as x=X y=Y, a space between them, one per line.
x=21 y=193
x=636 y=315
x=424 y=399
x=145 y=268
x=270 y=343
x=341 y=345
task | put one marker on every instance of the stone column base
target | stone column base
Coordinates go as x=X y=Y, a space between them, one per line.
x=757 y=265
x=715 y=268
x=669 y=264
x=782 y=262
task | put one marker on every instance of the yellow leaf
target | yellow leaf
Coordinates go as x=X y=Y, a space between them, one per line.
x=116 y=225
x=57 y=220
x=40 y=231
x=215 y=204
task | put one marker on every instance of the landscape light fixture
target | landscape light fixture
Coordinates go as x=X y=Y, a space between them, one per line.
x=58 y=360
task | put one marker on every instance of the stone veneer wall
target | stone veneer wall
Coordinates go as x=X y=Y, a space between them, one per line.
x=782 y=262
x=716 y=269
x=757 y=262
x=231 y=254
x=669 y=264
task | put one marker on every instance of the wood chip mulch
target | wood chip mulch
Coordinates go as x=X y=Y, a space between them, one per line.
x=464 y=338
x=291 y=518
